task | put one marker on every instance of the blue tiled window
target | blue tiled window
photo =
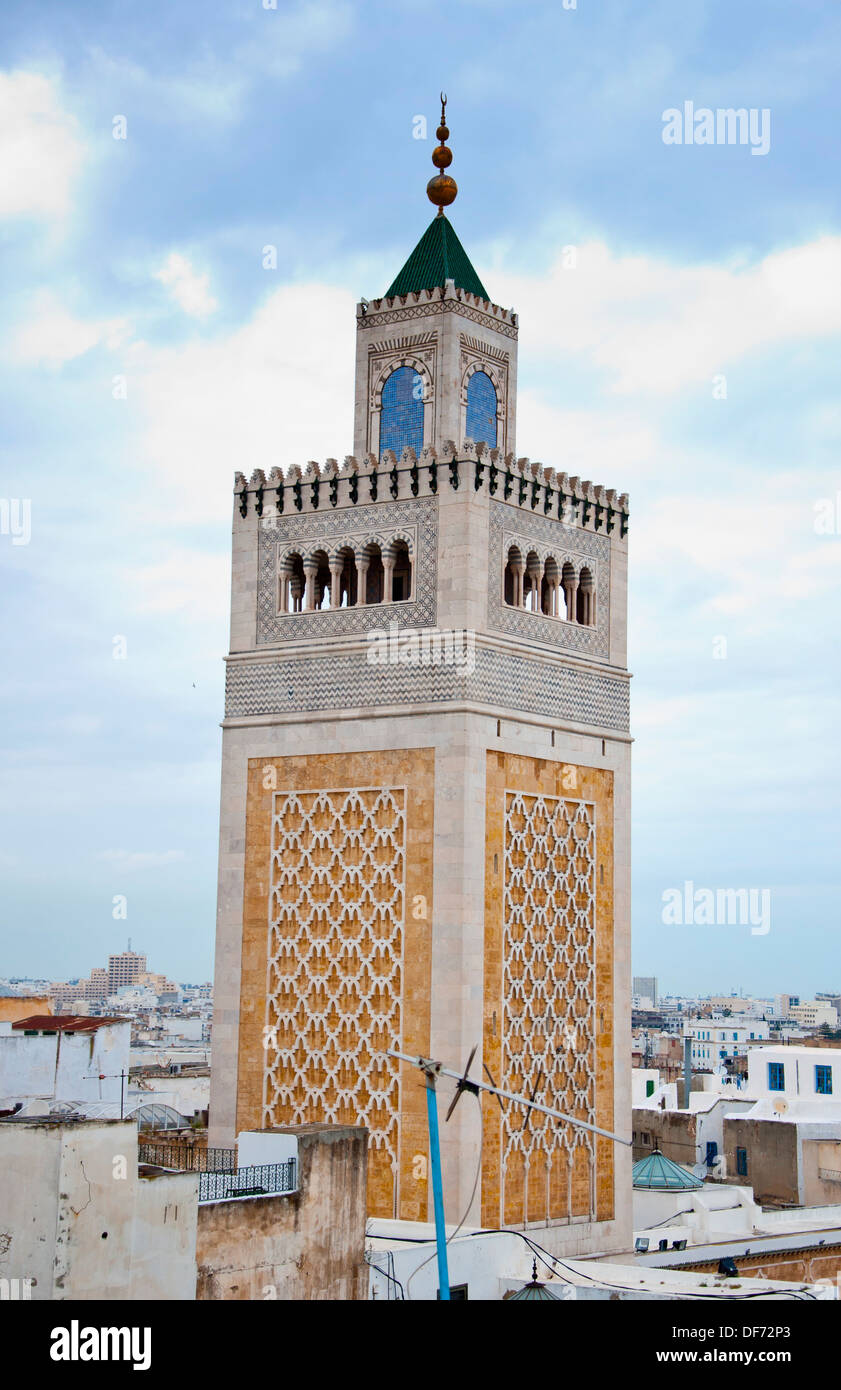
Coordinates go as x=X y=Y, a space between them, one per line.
x=401 y=421
x=481 y=409
x=776 y=1076
x=823 y=1081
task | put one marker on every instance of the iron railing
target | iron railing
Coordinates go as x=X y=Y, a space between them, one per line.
x=268 y=1178
x=189 y=1160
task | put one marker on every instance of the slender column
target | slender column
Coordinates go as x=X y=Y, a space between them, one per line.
x=570 y=585
x=517 y=568
x=362 y=563
x=588 y=590
x=310 y=573
x=535 y=574
x=296 y=589
x=337 y=564
x=388 y=573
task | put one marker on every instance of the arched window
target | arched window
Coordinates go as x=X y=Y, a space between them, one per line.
x=375 y=574
x=532 y=582
x=401 y=420
x=347 y=577
x=481 y=409
x=551 y=585
x=586 y=598
x=401 y=579
x=514 y=577
x=321 y=581
x=291 y=585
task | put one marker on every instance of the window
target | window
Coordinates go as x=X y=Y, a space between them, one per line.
x=514 y=577
x=776 y=1076
x=742 y=1160
x=481 y=409
x=823 y=1081
x=712 y=1152
x=457 y=1291
x=401 y=420
x=649 y=1088
x=401 y=579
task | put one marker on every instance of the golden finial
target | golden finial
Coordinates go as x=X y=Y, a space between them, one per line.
x=442 y=189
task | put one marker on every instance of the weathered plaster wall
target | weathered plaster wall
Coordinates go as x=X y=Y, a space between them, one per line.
x=308 y=1245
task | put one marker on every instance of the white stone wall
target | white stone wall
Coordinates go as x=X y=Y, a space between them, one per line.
x=64 y=1066
x=82 y=1224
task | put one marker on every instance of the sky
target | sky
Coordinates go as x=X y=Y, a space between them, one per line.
x=686 y=351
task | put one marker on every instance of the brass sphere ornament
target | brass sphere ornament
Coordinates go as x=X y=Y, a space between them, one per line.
x=442 y=189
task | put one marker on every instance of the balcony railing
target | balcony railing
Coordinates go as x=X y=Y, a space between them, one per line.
x=263 y=1181
x=189 y=1160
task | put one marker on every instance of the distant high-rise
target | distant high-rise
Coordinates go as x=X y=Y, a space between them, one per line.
x=645 y=986
x=123 y=969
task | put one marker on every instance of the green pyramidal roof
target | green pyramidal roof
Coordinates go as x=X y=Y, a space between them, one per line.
x=438 y=256
x=658 y=1172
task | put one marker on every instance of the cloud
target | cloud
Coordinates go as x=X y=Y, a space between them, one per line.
x=137 y=859
x=189 y=289
x=602 y=446
x=188 y=580
x=213 y=87
x=756 y=555
x=40 y=150
x=52 y=335
x=653 y=326
x=278 y=390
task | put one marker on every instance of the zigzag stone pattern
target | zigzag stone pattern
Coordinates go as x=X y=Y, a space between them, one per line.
x=501 y=679
x=548 y=1004
x=277 y=534
x=335 y=963
x=548 y=534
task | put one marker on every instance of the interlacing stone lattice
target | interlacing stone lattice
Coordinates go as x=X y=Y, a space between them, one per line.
x=548 y=1006
x=335 y=963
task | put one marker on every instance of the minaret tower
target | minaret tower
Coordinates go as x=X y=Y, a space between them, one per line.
x=425 y=816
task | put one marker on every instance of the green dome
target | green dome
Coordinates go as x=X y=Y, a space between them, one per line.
x=659 y=1174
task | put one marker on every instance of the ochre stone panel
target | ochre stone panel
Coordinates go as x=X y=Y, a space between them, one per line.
x=548 y=995
x=336 y=954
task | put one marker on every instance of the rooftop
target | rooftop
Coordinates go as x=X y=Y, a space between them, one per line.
x=660 y=1174
x=65 y=1023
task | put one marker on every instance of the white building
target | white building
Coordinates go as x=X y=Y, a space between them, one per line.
x=64 y=1058
x=808 y=1075
x=82 y=1222
x=814 y=1013
x=716 y=1039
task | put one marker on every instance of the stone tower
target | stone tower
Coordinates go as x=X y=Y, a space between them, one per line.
x=426 y=782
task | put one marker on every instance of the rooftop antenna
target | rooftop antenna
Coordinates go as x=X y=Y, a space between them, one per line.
x=431 y=1071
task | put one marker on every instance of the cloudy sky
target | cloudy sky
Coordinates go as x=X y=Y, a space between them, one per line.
x=690 y=356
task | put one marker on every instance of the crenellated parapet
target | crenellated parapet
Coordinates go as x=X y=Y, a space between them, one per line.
x=446 y=298
x=524 y=484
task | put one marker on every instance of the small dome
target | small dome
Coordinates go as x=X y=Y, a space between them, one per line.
x=659 y=1174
